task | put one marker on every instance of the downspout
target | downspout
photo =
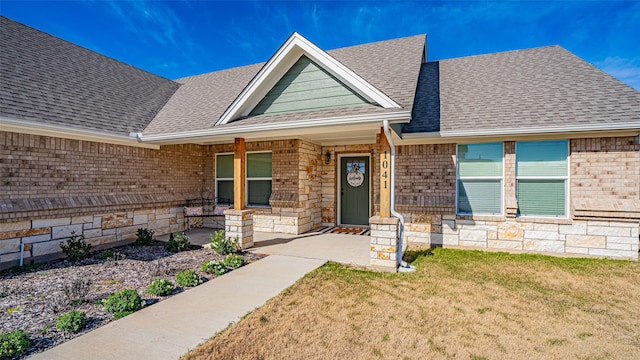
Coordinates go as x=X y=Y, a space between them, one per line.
x=402 y=266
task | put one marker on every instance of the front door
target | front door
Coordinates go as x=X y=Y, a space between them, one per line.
x=354 y=190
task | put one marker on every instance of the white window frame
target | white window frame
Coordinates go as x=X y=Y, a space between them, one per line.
x=566 y=179
x=246 y=180
x=501 y=178
x=215 y=169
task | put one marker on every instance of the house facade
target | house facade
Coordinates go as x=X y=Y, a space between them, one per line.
x=531 y=150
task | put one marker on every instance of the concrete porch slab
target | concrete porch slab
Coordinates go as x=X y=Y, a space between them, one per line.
x=345 y=249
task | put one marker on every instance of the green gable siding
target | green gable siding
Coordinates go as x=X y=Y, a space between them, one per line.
x=306 y=86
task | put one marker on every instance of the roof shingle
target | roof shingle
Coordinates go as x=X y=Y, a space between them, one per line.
x=48 y=80
x=392 y=66
x=535 y=88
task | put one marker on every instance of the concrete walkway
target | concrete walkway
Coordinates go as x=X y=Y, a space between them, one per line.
x=170 y=328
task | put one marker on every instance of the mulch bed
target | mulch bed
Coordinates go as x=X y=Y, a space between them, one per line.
x=32 y=297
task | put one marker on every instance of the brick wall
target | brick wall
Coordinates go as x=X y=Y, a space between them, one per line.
x=605 y=177
x=603 y=221
x=46 y=177
x=426 y=179
x=296 y=189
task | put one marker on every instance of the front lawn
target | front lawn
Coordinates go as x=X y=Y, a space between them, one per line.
x=458 y=305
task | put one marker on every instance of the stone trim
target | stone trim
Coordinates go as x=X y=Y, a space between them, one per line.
x=239 y=223
x=102 y=230
x=384 y=243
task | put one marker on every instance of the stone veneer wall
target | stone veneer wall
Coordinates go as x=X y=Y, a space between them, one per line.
x=42 y=237
x=604 y=198
x=52 y=186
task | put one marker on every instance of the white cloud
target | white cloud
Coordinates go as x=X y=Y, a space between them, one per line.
x=623 y=69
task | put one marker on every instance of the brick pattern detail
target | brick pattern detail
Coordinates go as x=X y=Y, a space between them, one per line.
x=605 y=178
x=296 y=188
x=384 y=243
x=45 y=177
x=426 y=179
x=100 y=230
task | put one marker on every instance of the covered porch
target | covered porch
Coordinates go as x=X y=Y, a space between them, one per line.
x=342 y=248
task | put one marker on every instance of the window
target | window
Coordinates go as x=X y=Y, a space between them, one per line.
x=480 y=179
x=224 y=178
x=258 y=178
x=542 y=169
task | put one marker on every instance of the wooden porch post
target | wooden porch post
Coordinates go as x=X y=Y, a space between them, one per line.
x=239 y=174
x=385 y=176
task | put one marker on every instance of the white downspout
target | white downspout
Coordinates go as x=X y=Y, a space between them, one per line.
x=402 y=266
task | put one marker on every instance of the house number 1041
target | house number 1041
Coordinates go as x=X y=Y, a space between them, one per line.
x=385 y=169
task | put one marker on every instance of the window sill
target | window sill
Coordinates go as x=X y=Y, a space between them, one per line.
x=481 y=217
x=544 y=220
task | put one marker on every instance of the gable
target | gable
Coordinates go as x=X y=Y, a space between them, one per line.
x=280 y=63
x=306 y=86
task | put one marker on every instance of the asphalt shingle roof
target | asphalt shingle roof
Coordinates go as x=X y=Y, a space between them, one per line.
x=392 y=66
x=48 y=80
x=535 y=88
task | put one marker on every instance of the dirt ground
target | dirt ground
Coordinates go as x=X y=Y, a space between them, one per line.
x=458 y=305
x=32 y=297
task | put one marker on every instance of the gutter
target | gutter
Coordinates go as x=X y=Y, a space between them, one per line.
x=525 y=131
x=402 y=266
x=67 y=132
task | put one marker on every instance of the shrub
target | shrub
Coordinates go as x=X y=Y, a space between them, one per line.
x=13 y=343
x=234 y=261
x=178 y=242
x=75 y=248
x=223 y=245
x=76 y=291
x=145 y=236
x=123 y=303
x=188 y=278
x=214 y=267
x=71 y=322
x=161 y=287
x=105 y=255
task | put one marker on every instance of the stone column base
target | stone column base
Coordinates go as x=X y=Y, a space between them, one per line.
x=384 y=243
x=239 y=223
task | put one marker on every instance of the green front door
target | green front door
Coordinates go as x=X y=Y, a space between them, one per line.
x=354 y=190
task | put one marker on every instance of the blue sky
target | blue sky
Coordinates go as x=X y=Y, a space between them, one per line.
x=182 y=38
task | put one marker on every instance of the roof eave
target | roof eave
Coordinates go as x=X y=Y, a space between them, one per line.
x=66 y=132
x=333 y=125
x=551 y=132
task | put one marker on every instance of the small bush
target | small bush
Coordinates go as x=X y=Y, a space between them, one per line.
x=161 y=287
x=125 y=301
x=223 y=245
x=178 y=242
x=214 y=267
x=234 y=261
x=145 y=236
x=188 y=278
x=75 y=248
x=71 y=322
x=76 y=291
x=105 y=255
x=13 y=343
